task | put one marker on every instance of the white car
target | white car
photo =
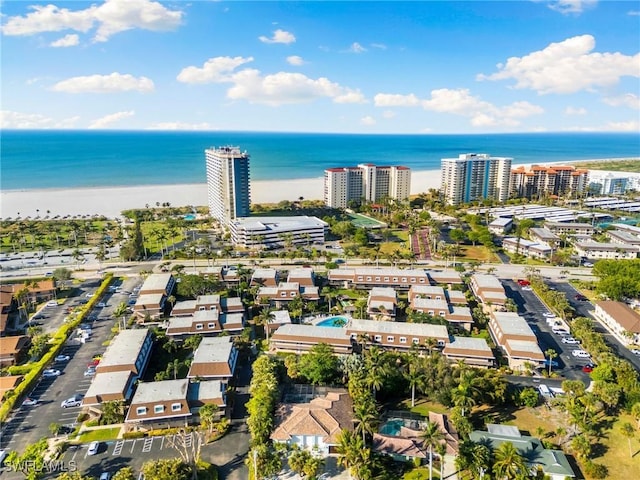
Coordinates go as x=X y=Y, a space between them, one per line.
x=3 y=455
x=101 y=305
x=62 y=358
x=52 y=303
x=93 y=448
x=636 y=351
x=559 y=331
x=74 y=401
x=580 y=353
x=51 y=372
x=570 y=341
x=548 y=315
x=30 y=402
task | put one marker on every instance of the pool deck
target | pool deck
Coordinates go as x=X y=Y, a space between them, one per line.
x=316 y=321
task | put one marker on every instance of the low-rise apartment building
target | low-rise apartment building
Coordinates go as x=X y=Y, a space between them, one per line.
x=488 y=290
x=214 y=359
x=381 y=303
x=13 y=349
x=544 y=235
x=624 y=238
x=500 y=225
x=122 y=364
x=599 y=250
x=474 y=352
x=265 y=277
x=622 y=320
x=368 y=278
x=208 y=302
x=205 y=322
x=285 y=292
x=153 y=295
x=570 y=228
x=514 y=336
x=527 y=248
x=277 y=232
x=295 y=338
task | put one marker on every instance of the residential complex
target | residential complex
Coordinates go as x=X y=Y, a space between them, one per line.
x=366 y=182
x=540 y=181
x=277 y=232
x=227 y=183
x=475 y=176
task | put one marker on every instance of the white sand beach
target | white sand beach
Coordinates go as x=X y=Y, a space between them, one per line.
x=110 y=201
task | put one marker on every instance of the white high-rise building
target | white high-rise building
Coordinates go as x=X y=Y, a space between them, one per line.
x=365 y=182
x=475 y=176
x=228 y=183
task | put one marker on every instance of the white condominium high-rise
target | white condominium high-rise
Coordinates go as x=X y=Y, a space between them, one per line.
x=475 y=176
x=365 y=182
x=228 y=183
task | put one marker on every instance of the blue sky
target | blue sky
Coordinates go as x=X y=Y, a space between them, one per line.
x=369 y=67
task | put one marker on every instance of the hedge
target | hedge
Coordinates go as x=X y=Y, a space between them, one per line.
x=57 y=343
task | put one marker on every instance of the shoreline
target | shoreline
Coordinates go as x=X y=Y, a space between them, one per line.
x=111 y=200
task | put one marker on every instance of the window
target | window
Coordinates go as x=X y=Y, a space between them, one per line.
x=416 y=341
x=441 y=313
x=213 y=307
x=293 y=294
x=377 y=279
x=441 y=343
x=413 y=280
x=360 y=277
x=378 y=338
x=430 y=312
x=404 y=279
x=202 y=308
x=158 y=409
x=141 y=411
x=386 y=279
x=395 y=279
x=283 y=294
x=403 y=339
x=176 y=407
x=199 y=326
x=390 y=338
x=422 y=280
x=368 y=279
x=211 y=325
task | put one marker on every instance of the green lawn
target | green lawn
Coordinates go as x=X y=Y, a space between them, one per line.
x=626 y=165
x=616 y=451
x=101 y=435
x=421 y=473
x=424 y=407
x=479 y=252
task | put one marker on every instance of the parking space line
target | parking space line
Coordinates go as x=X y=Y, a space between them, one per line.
x=133 y=444
x=117 y=450
x=148 y=443
x=162 y=442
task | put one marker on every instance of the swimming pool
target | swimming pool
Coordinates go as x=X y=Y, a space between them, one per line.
x=333 y=322
x=392 y=427
x=189 y=217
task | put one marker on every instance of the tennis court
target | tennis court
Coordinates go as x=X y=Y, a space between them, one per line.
x=362 y=221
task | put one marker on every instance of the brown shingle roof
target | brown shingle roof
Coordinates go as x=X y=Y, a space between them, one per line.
x=409 y=447
x=626 y=317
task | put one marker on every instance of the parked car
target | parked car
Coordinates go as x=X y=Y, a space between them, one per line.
x=50 y=373
x=90 y=372
x=39 y=316
x=570 y=341
x=553 y=363
x=74 y=401
x=105 y=476
x=636 y=351
x=524 y=283
x=581 y=298
x=580 y=353
x=89 y=295
x=548 y=315
x=101 y=305
x=559 y=331
x=93 y=448
x=52 y=303
x=588 y=264
x=527 y=289
x=30 y=402
x=62 y=358
x=3 y=455
x=93 y=363
x=587 y=368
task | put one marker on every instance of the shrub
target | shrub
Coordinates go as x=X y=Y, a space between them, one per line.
x=132 y=435
x=596 y=470
x=82 y=417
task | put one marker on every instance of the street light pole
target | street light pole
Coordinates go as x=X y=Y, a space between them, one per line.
x=255 y=464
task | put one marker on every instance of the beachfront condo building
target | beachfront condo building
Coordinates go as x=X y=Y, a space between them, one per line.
x=228 y=183
x=475 y=176
x=539 y=181
x=365 y=183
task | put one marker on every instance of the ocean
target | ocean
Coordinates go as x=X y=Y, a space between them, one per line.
x=68 y=159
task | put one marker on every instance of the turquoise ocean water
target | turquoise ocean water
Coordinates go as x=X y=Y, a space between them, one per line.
x=67 y=159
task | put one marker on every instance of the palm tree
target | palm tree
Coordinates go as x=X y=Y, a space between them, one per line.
x=551 y=354
x=581 y=446
x=264 y=318
x=509 y=463
x=628 y=431
x=367 y=418
x=353 y=455
x=377 y=368
x=120 y=312
x=464 y=395
x=441 y=449
x=431 y=437
x=413 y=373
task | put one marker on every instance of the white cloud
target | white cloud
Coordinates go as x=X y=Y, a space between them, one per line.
x=109 y=119
x=181 y=126
x=9 y=119
x=368 y=120
x=628 y=100
x=630 y=126
x=395 y=100
x=633 y=13
x=111 y=17
x=461 y=102
x=70 y=40
x=279 y=36
x=381 y=46
x=388 y=114
x=567 y=7
x=567 y=67
x=295 y=60
x=575 y=111
x=273 y=89
x=114 y=82
x=214 y=70
x=356 y=48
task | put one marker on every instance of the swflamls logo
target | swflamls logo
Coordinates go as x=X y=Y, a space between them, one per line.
x=33 y=466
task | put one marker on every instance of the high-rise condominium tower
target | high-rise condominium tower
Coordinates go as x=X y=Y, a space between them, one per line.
x=365 y=182
x=475 y=176
x=228 y=183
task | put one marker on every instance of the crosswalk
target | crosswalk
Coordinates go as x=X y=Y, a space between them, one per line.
x=117 y=449
x=148 y=443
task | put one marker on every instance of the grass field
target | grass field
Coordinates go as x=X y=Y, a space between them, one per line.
x=616 y=451
x=479 y=252
x=362 y=221
x=100 y=435
x=626 y=165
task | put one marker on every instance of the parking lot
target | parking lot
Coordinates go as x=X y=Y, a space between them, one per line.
x=30 y=423
x=532 y=309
